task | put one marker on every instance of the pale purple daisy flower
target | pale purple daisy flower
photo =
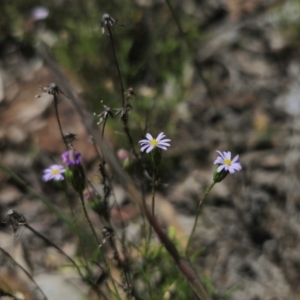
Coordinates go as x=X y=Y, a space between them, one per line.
x=152 y=143
x=54 y=172
x=71 y=157
x=225 y=162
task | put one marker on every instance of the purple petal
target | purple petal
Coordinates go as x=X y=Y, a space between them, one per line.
x=144 y=147
x=227 y=155
x=163 y=144
x=235 y=159
x=162 y=147
x=220 y=168
x=237 y=166
x=149 y=149
x=160 y=136
x=231 y=170
x=149 y=137
x=219 y=160
x=165 y=140
x=58 y=177
x=143 y=141
x=220 y=153
x=47 y=177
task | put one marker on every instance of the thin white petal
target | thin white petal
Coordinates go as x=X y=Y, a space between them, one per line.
x=220 y=153
x=144 y=141
x=165 y=140
x=231 y=170
x=144 y=147
x=149 y=137
x=220 y=168
x=58 y=177
x=227 y=155
x=149 y=149
x=162 y=147
x=163 y=144
x=160 y=136
x=235 y=158
x=46 y=177
x=219 y=160
x=237 y=166
x=226 y=167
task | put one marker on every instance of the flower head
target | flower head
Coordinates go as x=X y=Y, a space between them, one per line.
x=225 y=162
x=123 y=154
x=71 y=157
x=152 y=143
x=107 y=20
x=54 y=172
x=104 y=114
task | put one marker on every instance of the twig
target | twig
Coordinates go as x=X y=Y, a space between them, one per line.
x=28 y=275
x=58 y=119
x=117 y=64
x=47 y=241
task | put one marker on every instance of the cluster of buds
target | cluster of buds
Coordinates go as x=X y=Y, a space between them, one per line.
x=107 y=21
x=52 y=89
x=103 y=116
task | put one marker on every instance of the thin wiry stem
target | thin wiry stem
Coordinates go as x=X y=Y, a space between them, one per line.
x=102 y=134
x=88 y=220
x=190 y=49
x=197 y=216
x=58 y=119
x=76 y=224
x=47 y=241
x=152 y=209
x=28 y=275
x=124 y=118
x=98 y=243
x=121 y=265
x=117 y=64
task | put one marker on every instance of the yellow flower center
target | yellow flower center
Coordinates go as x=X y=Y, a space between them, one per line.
x=227 y=162
x=153 y=142
x=55 y=172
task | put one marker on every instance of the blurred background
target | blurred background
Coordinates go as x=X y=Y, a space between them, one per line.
x=211 y=74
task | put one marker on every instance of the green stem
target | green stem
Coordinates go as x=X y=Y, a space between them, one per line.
x=98 y=245
x=58 y=119
x=88 y=220
x=197 y=216
x=47 y=241
x=152 y=211
x=25 y=271
x=76 y=224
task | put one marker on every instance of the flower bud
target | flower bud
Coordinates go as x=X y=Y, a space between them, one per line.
x=75 y=174
x=219 y=176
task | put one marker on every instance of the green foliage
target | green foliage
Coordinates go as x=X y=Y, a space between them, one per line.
x=161 y=274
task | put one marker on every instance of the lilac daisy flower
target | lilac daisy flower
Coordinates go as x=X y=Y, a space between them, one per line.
x=152 y=143
x=225 y=162
x=54 y=172
x=71 y=157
